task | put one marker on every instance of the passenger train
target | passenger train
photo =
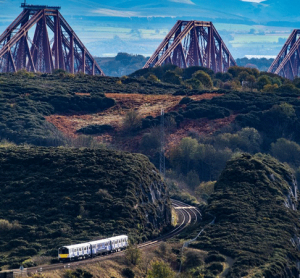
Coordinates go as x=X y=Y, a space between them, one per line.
x=92 y=248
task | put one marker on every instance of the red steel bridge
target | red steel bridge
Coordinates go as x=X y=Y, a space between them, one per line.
x=193 y=43
x=287 y=63
x=41 y=40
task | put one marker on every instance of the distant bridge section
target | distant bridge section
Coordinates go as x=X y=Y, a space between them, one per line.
x=53 y=45
x=193 y=43
x=287 y=63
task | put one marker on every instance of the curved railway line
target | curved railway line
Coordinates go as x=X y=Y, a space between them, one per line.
x=187 y=215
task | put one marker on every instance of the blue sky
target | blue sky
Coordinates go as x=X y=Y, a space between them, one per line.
x=248 y=27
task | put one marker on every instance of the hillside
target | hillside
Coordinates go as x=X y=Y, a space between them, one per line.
x=122 y=64
x=255 y=203
x=27 y=98
x=56 y=196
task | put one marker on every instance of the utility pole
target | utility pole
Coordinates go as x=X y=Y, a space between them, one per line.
x=162 y=161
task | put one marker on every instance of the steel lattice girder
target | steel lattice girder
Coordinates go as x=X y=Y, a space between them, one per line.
x=287 y=62
x=193 y=43
x=42 y=54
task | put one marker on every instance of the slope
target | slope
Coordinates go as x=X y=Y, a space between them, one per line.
x=56 y=196
x=257 y=219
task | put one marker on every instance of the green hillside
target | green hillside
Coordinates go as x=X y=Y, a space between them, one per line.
x=257 y=219
x=51 y=197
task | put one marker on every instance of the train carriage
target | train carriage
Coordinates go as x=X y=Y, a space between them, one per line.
x=99 y=247
x=119 y=242
x=92 y=248
x=75 y=251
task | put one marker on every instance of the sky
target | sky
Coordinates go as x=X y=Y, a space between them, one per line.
x=248 y=27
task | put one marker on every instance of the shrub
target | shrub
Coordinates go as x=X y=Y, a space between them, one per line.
x=153 y=78
x=193 y=259
x=150 y=140
x=214 y=257
x=132 y=120
x=133 y=255
x=204 y=78
x=160 y=269
x=205 y=189
x=171 y=77
x=6 y=226
x=270 y=88
x=263 y=81
x=286 y=151
x=216 y=268
x=127 y=272
x=78 y=273
x=95 y=129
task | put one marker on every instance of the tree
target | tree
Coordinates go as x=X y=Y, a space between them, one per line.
x=182 y=155
x=133 y=255
x=251 y=80
x=286 y=151
x=205 y=189
x=195 y=83
x=243 y=76
x=132 y=120
x=160 y=269
x=172 y=77
x=204 y=78
x=270 y=88
x=192 y=179
x=263 y=81
x=151 y=140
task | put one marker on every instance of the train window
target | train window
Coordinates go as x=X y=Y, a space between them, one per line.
x=63 y=250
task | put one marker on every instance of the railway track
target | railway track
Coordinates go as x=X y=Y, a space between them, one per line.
x=187 y=215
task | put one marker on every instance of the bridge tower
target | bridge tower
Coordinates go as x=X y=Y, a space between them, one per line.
x=41 y=40
x=287 y=63
x=193 y=43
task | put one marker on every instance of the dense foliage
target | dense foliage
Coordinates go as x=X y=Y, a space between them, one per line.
x=56 y=196
x=257 y=218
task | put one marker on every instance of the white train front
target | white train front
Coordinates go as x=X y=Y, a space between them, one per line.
x=92 y=248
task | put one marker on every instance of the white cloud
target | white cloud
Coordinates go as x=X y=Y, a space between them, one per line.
x=116 y=13
x=189 y=2
x=253 y=1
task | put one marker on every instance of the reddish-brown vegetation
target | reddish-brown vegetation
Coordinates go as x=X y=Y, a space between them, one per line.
x=146 y=105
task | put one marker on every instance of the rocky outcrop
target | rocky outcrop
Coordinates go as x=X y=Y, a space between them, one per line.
x=257 y=219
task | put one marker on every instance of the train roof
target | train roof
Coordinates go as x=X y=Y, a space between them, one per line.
x=99 y=241
x=77 y=245
x=95 y=242
x=118 y=237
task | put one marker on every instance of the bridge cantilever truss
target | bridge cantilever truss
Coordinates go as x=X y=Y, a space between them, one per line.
x=287 y=63
x=42 y=53
x=193 y=43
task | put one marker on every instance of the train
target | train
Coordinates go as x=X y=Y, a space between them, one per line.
x=92 y=248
